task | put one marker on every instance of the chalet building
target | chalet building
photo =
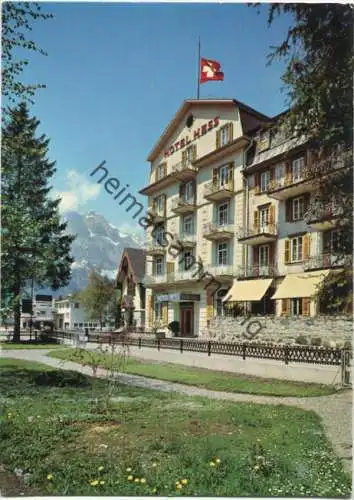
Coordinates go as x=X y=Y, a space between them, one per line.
x=228 y=194
x=130 y=282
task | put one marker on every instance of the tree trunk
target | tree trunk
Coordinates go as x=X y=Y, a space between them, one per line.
x=17 y=313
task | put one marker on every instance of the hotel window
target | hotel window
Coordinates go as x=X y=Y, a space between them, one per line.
x=280 y=175
x=159 y=235
x=158 y=265
x=189 y=155
x=297 y=169
x=188 y=260
x=264 y=217
x=265 y=177
x=223 y=214
x=296 y=307
x=263 y=255
x=161 y=171
x=77 y=305
x=224 y=135
x=298 y=208
x=160 y=204
x=188 y=192
x=224 y=175
x=188 y=224
x=222 y=254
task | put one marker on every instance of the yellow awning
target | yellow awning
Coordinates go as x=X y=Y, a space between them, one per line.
x=247 y=290
x=300 y=285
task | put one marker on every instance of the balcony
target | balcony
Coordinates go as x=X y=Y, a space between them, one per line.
x=221 y=272
x=158 y=214
x=256 y=272
x=266 y=233
x=213 y=231
x=155 y=280
x=325 y=261
x=189 y=240
x=183 y=206
x=184 y=275
x=184 y=170
x=217 y=192
x=323 y=217
x=155 y=248
x=287 y=187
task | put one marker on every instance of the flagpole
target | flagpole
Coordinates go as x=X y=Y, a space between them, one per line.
x=198 y=84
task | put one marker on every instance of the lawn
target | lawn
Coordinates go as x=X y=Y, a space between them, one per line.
x=60 y=437
x=200 y=377
x=24 y=345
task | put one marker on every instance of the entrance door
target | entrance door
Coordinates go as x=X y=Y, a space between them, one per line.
x=186 y=319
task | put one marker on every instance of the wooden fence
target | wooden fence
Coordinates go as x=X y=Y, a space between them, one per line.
x=286 y=353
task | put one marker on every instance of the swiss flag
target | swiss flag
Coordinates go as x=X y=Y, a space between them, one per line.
x=210 y=70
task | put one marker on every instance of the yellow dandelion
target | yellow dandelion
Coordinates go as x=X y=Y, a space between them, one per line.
x=100 y=468
x=218 y=460
x=136 y=480
x=101 y=482
x=128 y=469
x=178 y=486
x=184 y=481
x=50 y=477
x=94 y=482
x=143 y=480
x=177 y=482
x=130 y=478
x=212 y=464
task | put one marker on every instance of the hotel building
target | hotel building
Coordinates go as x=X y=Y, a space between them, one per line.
x=229 y=195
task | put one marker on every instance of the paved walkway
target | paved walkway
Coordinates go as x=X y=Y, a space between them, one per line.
x=335 y=410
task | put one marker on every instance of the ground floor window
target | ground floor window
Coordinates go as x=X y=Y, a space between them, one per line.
x=296 y=307
x=220 y=309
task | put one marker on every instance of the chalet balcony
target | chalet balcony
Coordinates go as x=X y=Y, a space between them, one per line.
x=213 y=231
x=189 y=240
x=218 y=192
x=323 y=217
x=155 y=248
x=183 y=205
x=219 y=272
x=325 y=261
x=257 y=272
x=258 y=235
x=288 y=187
x=184 y=170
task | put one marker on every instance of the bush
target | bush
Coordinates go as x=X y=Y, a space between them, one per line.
x=317 y=341
x=302 y=340
x=347 y=344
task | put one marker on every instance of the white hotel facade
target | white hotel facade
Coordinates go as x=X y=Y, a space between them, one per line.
x=229 y=195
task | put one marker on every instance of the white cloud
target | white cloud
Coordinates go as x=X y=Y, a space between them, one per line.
x=80 y=191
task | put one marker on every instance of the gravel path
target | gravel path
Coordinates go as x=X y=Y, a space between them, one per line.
x=335 y=410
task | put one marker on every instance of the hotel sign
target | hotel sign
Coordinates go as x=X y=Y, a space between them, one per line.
x=188 y=139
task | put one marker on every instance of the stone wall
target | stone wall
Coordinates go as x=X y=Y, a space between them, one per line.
x=328 y=331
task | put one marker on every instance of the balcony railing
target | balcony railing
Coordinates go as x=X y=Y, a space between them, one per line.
x=325 y=260
x=154 y=247
x=218 y=191
x=183 y=205
x=220 y=271
x=318 y=212
x=213 y=230
x=257 y=271
x=187 y=238
x=155 y=279
x=183 y=169
x=260 y=229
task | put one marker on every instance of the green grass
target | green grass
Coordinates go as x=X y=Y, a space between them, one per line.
x=55 y=428
x=200 y=377
x=23 y=345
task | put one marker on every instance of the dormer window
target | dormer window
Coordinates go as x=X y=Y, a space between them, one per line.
x=265 y=178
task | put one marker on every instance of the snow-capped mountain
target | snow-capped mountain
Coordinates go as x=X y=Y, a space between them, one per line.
x=98 y=244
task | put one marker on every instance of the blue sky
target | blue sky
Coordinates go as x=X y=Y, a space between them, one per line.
x=117 y=73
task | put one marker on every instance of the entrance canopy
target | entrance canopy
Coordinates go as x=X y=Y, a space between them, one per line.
x=247 y=290
x=300 y=285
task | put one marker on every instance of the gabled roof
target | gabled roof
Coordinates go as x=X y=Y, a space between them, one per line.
x=136 y=258
x=187 y=104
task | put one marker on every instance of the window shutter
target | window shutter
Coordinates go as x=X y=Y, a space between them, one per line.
x=231 y=131
x=231 y=175
x=210 y=304
x=151 y=309
x=306 y=301
x=306 y=246
x=257 y=178
x=184 y=157
x=326 y=242
x=288 y=172
x=271 y=175
x=165 y=169
x=194 y=152
x=256 y=257
x=164 y=204
x=285 y=307
x=287 y=252
x=288 y=210
x=217 y=146
x=215 y=175
x=165 y=312
x=170 y=268
x=272 y=215
x=256 y=220
x=153 y=206
x=182 y=189
x=271 y=255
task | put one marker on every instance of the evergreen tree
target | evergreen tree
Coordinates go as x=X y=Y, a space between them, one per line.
x=318 y=81
x=35 y=245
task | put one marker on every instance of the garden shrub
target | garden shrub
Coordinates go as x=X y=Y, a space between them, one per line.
x=317 y=341
x=302 y=340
